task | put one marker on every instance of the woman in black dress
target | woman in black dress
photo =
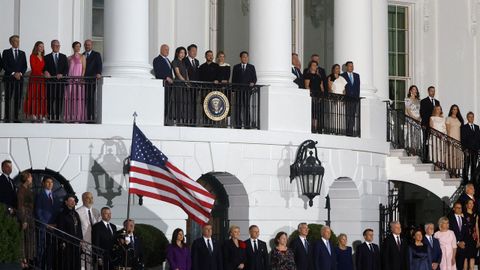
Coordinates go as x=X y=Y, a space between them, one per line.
x=224 y=68
x=234 y=250
x=314 y=82
x=471 y=238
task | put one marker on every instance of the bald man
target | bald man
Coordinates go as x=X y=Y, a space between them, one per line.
x=88 y=216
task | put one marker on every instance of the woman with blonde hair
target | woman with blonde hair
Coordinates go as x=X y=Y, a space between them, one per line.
x=448 y=244
x=234 y=250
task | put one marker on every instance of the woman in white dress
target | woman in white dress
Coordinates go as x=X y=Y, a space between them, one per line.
x=437 y=150
x=454 y=122
x=336 y=83
x=412 y=103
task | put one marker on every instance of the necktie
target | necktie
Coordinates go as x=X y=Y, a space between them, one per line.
x=16 y=54
x=430 y=240
x=459 y=220
x=50 y=198
x=131 y=240
x=90 y=217
x=370 y=247
x=11 y=183
x=243 y=67
x=328 y=247
x=433 y=101
x=305 y=243
x=193 y=64
x=168 y=62
x=350 y=75
x=109 y=229
x=472 y=127
x=398 y=242
x=56 y=60
x=255 y=247
x=209 y=246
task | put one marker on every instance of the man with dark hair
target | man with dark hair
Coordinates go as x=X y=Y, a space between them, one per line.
x=208 y=71
x=69 y=222
x=93 y=68
x=8 y=190
x=192 y=63
x=470 y=139
x=103 y=235
x=367 y=255
x=15 y=65
x=56 y=67
x=256 y=251
x=352 y=88
x=243 y=73
x=458 y=224
x=426 y=108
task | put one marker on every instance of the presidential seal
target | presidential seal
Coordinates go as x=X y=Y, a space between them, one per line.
x=216 y=106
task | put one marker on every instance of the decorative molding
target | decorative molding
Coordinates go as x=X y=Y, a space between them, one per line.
x=426 y=15
x=474 y=8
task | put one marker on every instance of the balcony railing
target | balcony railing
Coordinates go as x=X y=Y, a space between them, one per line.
x=202 y=104
x=336 y=114
x=40 y=99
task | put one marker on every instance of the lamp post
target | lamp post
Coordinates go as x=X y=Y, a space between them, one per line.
x=308 y=169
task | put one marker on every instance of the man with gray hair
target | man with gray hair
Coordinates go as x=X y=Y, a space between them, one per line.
x=325 y=256
x=468 y=194
x=302 y=249
x=395 y=249
x=433 y=245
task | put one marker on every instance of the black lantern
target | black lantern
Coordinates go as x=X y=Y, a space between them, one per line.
x=308 y=169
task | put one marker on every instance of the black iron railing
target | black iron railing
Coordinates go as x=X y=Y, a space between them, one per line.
x=46 y=247
x=388 y=212
x=203 y=104
x=56 y=100
x=336 y=114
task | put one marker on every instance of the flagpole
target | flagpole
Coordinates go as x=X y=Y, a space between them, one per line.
x=128 y=187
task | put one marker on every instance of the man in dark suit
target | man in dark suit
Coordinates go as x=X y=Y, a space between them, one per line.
x=56 y=67
x=208 y=71
x=458 y=224
x=367 y=255
x=15 y=65
x=93 y=69
x=256 y=251
x=468 y=194
x=162 y=66
x=192 y=63
x=321 y=71
x=297 y=72
x=245 y=74
x=352 y=89
x=433 y=245
x=470 y=139
x=1 y=63
x=206 y=253
x=325 y=256
x=302 y=249
x=103 y=233
x=8 y=190
x=426 y=108
x=395 y=249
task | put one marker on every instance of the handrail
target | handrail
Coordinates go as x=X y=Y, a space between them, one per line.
x=63 y=77
x=215 y=83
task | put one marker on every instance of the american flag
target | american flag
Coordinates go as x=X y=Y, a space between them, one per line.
x=152 y=175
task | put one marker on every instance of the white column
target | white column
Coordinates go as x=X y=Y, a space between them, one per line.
x=380 y=47
x=271 y=41
x=126 y=42
x=353 y=40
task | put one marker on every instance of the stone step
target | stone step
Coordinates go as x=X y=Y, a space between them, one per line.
x=398 y=153
x=438 y=174
x=452 y=181
x=424 y=167
x=410 y=160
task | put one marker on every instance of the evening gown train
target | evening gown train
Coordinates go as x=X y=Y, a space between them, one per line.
x=75 y=92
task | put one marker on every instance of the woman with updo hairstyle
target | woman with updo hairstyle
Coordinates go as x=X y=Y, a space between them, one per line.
x=234 y=256
x=25 y=216
x=178 y=253
x=281 y=257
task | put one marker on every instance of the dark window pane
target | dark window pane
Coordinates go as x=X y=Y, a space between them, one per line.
x=97 y=24
x=98 y=45
x=391 y=89
x=392 y=18
x=392 y=41
x=400 y=90
x=98 y=3
x=402 y=65
x=392 y=64
x=402 y=41
x=401 y=17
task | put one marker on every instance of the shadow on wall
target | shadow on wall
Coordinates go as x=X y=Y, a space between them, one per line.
x=286 y=188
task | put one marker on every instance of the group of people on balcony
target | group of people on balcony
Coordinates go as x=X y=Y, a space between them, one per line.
x=429 y=113
x=50 y=96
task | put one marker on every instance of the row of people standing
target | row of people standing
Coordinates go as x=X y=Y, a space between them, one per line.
x=49 y=97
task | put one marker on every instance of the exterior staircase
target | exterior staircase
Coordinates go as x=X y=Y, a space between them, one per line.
x=402 y=167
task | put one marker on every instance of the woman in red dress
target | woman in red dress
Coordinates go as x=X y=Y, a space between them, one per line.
x=36 y=102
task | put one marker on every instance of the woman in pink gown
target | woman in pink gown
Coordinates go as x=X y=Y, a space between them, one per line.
x=75 y=91
x=448 y=245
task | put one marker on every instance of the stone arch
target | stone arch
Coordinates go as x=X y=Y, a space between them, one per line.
x=61 y=186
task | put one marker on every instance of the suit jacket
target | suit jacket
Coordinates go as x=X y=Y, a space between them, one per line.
x=393 y=257
x=8 y=195
x=208 y=72
x=323 y=259
x=256 y=260
x=161 y=68
x=62 y=65
x=352 y=90
x=10 y=65
x=460 y=233
x=1 y=63
x=244 y=77
x=193 y=72
x=86 y=226
x=298 y=77
x=202 y=259
x=137 y=247
x=66 y=223
x=366 y=259
x=102 y=237
x=303 y=259
x=435 y=249
x=426 y=109
x=470 y=139
x=45 y=211
x=94 y=64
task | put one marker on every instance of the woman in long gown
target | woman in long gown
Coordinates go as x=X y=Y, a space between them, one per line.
x=75 y=91
x=35 y=106
x=471 y=237
x=178 y=253
x=412 y=103
x=419 y=254
x=448 y=245
x=281 y=257
x=453 y=124
x=25 y=216
x=344 y=253
x=314 y=82
x=437 y=122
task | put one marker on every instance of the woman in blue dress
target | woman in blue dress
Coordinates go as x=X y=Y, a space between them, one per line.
x=419 y=254
x=344 y=253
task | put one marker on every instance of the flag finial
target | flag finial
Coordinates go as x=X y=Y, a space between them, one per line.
x=134 y=116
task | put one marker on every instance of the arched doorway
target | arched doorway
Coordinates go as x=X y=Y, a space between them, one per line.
x=61 y=186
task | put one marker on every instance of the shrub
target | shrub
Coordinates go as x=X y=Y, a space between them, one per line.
x=10 y=245
x=154 y=244
x=314 y=234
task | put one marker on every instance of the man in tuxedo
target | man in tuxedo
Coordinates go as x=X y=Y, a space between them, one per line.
x=256 y=251
x=208 y=71
x=162 y=66
x=15 y=65
x=468 y=194
x=433 y=245
x=93 y=69
x=321 y=71
x=426 y=108
x=297 y=72
x=395 y=249
x=8 y=190
x=470 y=139
x=302 y=249
x=245 y=74
x=458 y=224
x=206 y=253
x=103 y=233
x=367 y=255
x=56 y=67
x=325 y=256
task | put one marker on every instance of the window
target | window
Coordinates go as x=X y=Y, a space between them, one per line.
x=398 y=54
x=97 y=25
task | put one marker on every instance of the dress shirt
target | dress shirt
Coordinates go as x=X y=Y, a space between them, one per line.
x=206 y=242
x=369 y=246
x=108 y=226
x=192 y=61
x=253 y=243
x=398 y=239
x=327 y=244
